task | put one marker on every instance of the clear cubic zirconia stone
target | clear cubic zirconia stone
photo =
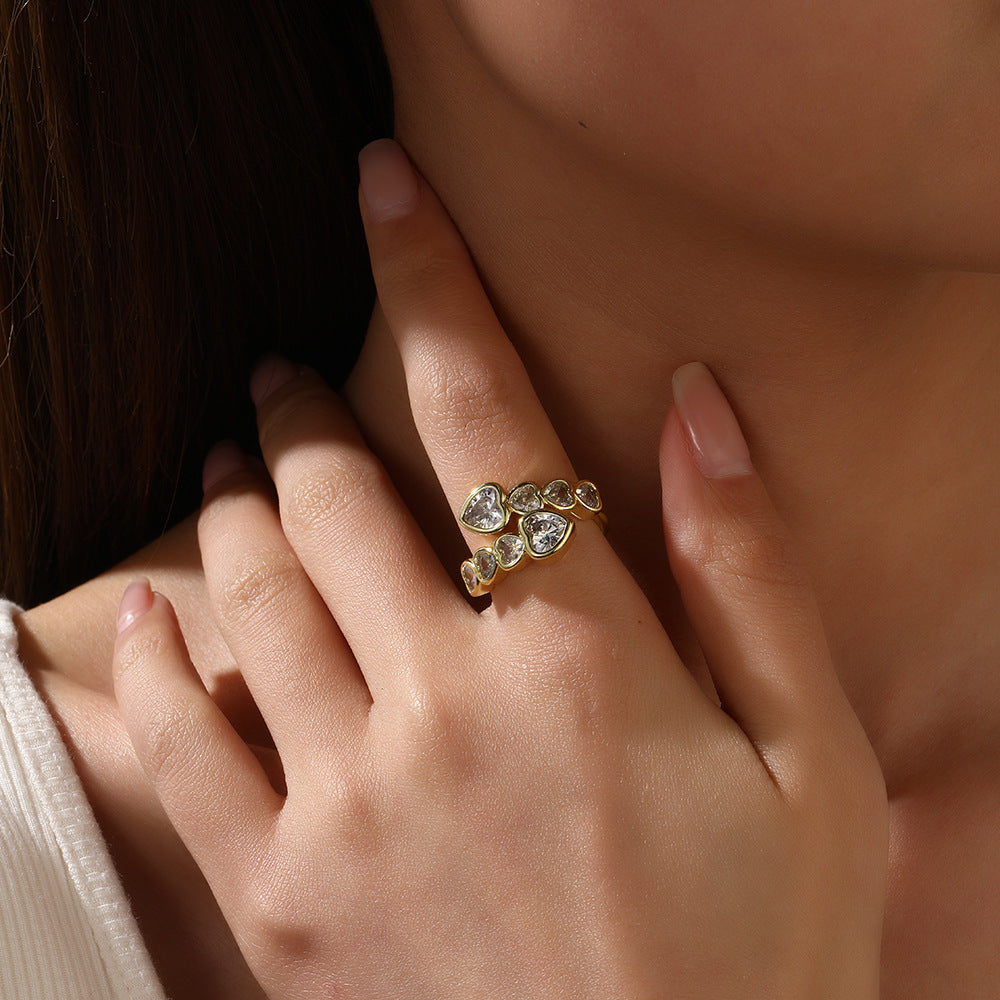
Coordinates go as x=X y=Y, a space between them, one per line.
x=469 y=575
x=485 y=511
x=559 y=494
x=587 y=495
x=486 y=565
x=544 y=531
x=525 y=499
x=509 y=550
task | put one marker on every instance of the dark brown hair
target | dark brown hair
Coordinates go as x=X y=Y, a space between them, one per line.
x=177 y=195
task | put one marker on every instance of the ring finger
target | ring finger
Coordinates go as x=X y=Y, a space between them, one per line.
x=354 y=536
x=290 y=650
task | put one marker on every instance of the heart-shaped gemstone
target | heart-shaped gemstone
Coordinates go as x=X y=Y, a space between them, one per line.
x=525 y=499
x=544 y=532
x=485 y=564
x=469 y=577
x=558 y=494
x=484 y=511
x=508 y=549
x=586 y=492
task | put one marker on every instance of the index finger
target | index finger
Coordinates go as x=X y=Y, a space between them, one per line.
x=473 y=404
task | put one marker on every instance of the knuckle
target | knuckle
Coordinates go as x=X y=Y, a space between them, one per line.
x=274 y=913
x=142 y=646
x=748 y=554
x=435 y=724
x=574 y=674
x=170 y=732
x=420 y=267
x=342 y=485
x=469 y=398
x=258 y=588
x=354 y=822
x=435 y=736
x=356 y=817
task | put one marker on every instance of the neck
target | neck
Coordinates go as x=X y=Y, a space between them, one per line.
x=866 y=386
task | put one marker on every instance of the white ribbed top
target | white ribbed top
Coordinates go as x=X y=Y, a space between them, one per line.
x=66 y=928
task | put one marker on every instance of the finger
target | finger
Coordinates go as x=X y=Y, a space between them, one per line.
x=745 y=590
x=348 y=526
x=210 y=783
x=473 y=404
x=295 y=661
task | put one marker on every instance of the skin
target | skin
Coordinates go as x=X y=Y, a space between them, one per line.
x=825 y=282
x=822 y=272
x=511 y=800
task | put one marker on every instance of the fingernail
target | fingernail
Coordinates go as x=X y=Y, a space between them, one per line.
x=136 y=601
x=271 y=373
x=388 y=183
x=223 y=460
x=719 y=446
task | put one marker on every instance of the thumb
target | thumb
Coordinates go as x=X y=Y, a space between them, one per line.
x=745 y=590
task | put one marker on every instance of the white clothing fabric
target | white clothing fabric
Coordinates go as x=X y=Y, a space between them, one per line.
x=66 y=928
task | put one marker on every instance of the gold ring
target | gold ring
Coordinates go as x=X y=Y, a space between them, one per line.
x=533 y=523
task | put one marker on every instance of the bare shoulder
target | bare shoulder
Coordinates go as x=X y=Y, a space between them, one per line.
x=72 y=635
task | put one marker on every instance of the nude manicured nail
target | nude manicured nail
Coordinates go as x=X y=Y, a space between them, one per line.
x=719 y=446
x=388 y=182
x=136 y=601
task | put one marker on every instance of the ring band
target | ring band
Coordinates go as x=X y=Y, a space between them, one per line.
x=533 y=524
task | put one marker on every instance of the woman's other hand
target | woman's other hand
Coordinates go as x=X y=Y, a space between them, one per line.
x=536 y=800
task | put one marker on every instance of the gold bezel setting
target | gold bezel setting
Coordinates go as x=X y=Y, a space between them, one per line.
x=544 y=533
x=532 y=523
x=485 y=564
x=559 y=495
x=525 y=499
x=589 y=496
x=509 y=550
x=470 y=579
x=485 y=510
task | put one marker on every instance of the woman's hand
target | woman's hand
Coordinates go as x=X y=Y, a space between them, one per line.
x=535 y=801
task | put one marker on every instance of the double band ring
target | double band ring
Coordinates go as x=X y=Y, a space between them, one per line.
x=533 y=523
